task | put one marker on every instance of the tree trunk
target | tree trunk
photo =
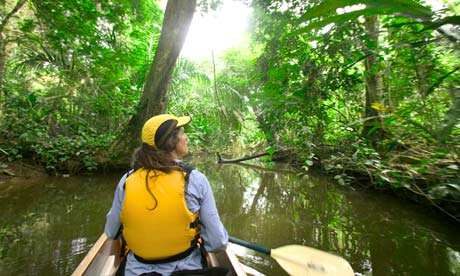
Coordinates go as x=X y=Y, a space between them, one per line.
x=154 y=100
x=2 y=66
x=453 y=114
x=176 y=23
x=5 y=18
x=374 y=83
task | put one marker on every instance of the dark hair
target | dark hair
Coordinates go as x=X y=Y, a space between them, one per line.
x=156 y=159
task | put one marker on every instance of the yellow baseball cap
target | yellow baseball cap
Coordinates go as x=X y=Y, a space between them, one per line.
x=158 y=128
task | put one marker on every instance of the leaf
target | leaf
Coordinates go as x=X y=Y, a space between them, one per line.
x=445 y=190
x=454 y=20
x=395 y=174
x=328 y=6
x=438 y=192
x=454 y=186
x=379 y=107
x=396 y=185
x=270 y=150
x=386 y=179
x=424 y=162
x=355 y=155
x=372 y=7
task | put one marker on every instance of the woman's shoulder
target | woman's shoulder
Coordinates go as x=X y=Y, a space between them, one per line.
x=198 y=175
x=190 y=170
x=198 y=182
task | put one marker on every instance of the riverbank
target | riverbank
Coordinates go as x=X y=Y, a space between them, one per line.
x=21 y=170
x=345 y=170
x=425 y=175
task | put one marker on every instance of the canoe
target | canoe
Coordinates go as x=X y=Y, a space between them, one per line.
x=104 y=259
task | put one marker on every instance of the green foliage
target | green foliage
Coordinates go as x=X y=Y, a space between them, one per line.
x=223 y=120
x=73 y=154
x=313 y=86
x=69 y=151
x=447 y=190
x=73 y=82
x=306 y=82
x=326 y=13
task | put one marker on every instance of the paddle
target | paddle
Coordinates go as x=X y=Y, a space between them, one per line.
x=303 y=260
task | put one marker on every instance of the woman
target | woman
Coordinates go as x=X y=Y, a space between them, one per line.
x=167 y=213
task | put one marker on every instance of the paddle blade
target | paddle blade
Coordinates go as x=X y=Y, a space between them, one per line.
x=300 y=260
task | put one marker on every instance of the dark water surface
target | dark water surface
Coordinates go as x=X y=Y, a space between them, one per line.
x=46 y=227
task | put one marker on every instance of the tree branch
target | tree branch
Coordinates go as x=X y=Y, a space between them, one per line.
x=220 y=160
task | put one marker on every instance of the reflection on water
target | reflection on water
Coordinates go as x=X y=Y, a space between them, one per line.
x=46 y=228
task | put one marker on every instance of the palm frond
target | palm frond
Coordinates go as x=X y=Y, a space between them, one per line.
x=326 y=12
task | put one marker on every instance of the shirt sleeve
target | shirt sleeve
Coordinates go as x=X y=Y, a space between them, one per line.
x=200 y=198
x=113 y=220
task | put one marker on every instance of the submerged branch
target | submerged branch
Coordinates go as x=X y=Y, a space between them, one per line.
x=220 y=160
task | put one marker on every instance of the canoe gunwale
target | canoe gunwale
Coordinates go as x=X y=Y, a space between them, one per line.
x=104 y=259
x=88 y=260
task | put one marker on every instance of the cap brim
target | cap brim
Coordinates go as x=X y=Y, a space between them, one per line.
x=184 y=120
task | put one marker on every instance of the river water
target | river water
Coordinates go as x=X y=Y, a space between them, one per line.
x=48 y=225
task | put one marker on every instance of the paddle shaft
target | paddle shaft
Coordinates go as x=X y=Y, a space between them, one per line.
x=252 y=246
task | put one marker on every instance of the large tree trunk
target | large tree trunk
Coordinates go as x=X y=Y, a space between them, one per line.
x=176 y=23
x=154 y=100
x=5 y=18
x=374 y=83
x=2 y=66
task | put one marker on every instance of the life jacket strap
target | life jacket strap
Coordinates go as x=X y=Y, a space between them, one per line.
x=195 y=223
x=176 y=257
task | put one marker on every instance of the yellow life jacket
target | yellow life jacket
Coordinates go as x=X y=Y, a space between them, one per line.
x=167 y=232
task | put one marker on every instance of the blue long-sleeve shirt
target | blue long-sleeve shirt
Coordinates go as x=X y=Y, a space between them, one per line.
x=199 y=198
